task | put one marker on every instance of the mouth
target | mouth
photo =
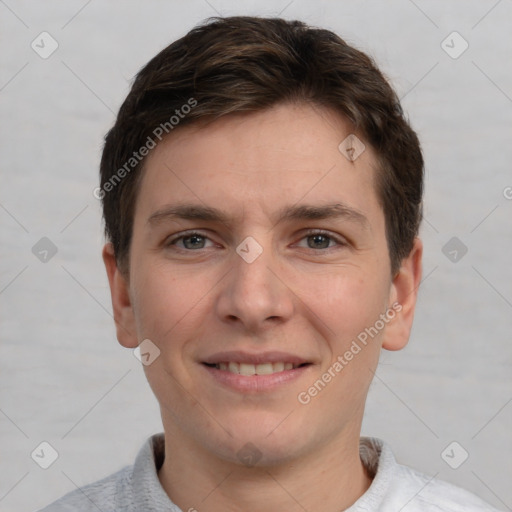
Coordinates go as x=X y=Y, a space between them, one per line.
x=255 y=373
x=249 y=369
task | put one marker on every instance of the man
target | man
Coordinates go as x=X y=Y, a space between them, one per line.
x=262 y=196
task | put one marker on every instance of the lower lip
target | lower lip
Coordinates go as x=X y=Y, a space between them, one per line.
x=255 y=383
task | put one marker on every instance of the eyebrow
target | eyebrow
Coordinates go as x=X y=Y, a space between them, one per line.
x=288 y=213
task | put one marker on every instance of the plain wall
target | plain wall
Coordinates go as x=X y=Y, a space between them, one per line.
x=64 y=378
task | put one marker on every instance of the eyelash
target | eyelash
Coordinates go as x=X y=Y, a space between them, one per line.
x=339 y=241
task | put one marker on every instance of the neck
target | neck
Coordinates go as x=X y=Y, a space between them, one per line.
x=333 y=475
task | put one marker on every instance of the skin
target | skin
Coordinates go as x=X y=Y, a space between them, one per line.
x=303 y=295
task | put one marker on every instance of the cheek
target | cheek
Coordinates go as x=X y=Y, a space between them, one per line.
x=172 y=306
x=348 y=308
x=160 y=301
x=346 y=301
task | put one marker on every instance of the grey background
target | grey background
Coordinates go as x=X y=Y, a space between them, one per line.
x=63 y=377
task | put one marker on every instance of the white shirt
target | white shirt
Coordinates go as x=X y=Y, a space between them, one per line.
x=394 y=487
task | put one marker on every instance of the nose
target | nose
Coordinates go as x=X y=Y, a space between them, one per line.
x=255 y=295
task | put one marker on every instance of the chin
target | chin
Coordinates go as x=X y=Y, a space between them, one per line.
x=260 y=442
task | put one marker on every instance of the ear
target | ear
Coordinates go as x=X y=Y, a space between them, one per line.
x=121 y=301
x=403 y=294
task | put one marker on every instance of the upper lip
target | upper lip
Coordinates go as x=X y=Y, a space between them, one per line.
x=254 y=358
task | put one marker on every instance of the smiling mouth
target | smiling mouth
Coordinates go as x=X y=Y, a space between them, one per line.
x=248 y=370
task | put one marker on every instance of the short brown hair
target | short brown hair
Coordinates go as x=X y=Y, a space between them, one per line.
x=247 y=64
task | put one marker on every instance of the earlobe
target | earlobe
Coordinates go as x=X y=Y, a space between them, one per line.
x=121 y=302
x=404 y=292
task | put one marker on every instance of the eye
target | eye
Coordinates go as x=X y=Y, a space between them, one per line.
x=190 y=241
x=321 y=240
x=315 y=239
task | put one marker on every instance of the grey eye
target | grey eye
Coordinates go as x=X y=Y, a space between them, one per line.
x=194 y=242
x=318 y=241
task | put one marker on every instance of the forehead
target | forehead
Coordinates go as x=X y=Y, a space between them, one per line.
x=255 y=163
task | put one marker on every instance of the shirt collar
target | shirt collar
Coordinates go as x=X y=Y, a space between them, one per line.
x=149 y=495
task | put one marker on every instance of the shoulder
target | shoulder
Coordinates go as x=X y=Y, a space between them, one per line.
x=101 y=495
x=133 y=488
x=399 y=487
x=423 y=493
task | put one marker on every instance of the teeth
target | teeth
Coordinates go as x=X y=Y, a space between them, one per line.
x=247 y=369
x=264 y=369
x=252 y=369
x=278 y=367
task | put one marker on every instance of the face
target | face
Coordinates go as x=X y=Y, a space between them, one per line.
x=258 y=257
